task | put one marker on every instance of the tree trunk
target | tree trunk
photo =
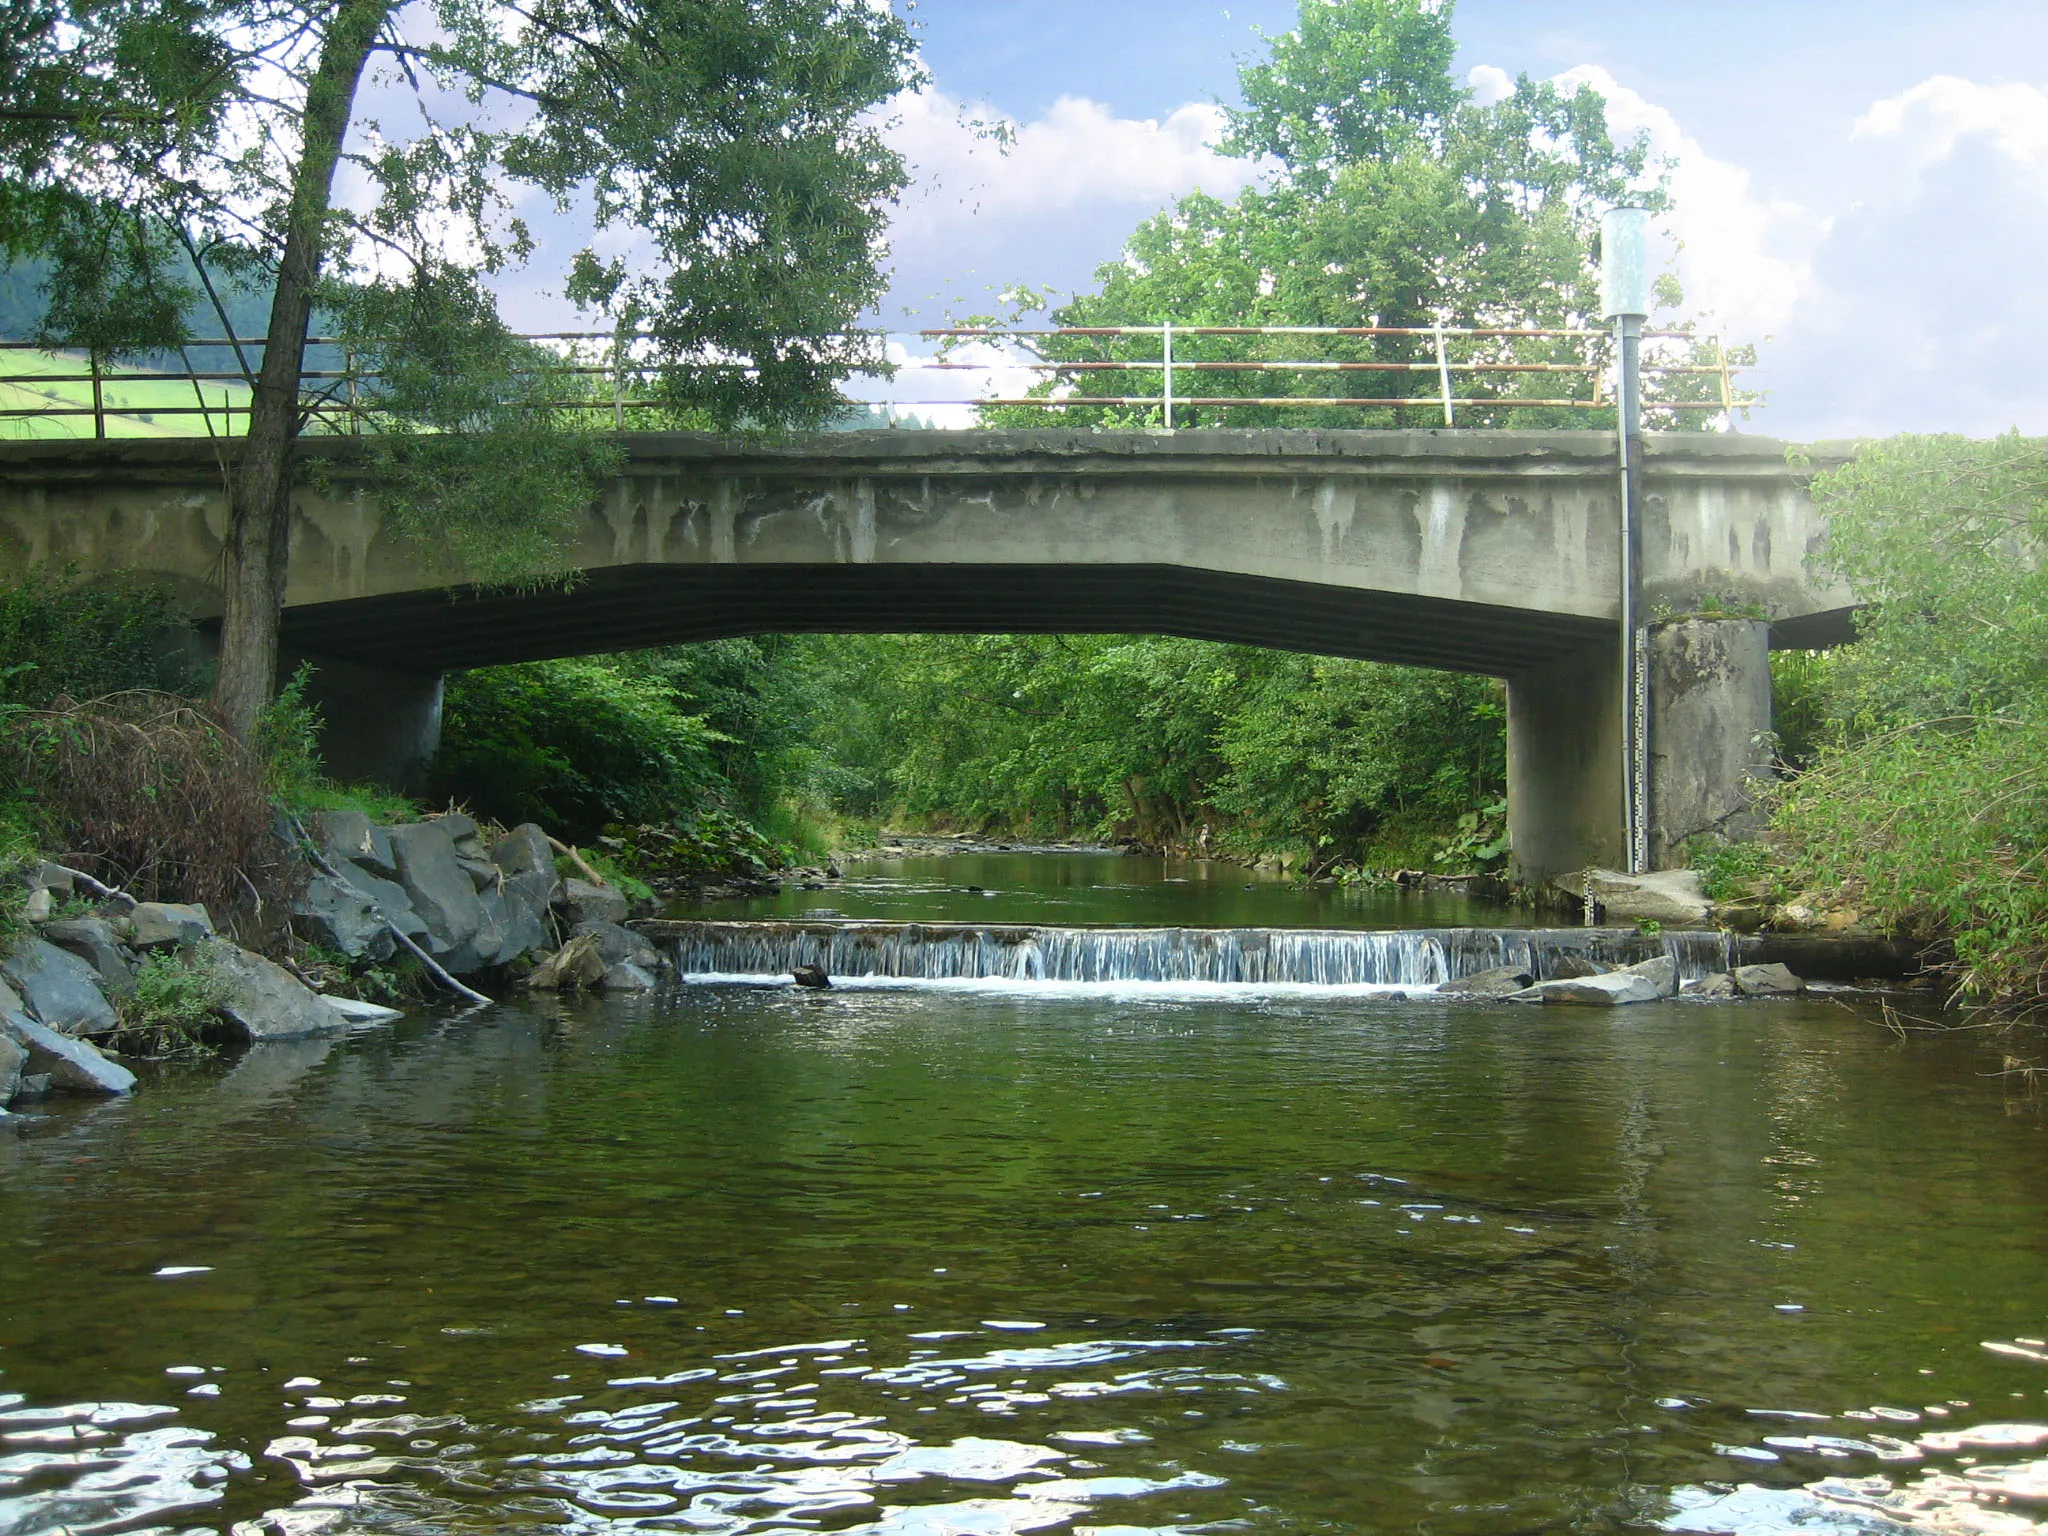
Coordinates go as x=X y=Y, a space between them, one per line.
x=258 y=553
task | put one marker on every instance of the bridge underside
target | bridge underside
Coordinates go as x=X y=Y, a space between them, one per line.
x=625 y=608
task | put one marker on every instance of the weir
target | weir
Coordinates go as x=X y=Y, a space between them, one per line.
x=1416 y=957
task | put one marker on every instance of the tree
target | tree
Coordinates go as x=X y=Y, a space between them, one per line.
x=734 y=138
x=1395 y=200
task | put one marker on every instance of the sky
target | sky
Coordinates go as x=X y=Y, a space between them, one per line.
x=1861 y=187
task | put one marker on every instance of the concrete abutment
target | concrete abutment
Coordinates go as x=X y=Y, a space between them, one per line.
x=379 y=726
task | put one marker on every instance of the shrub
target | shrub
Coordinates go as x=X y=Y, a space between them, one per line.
x=149 y=792
x=574 y=745
x=60 y=637
x=177 y=993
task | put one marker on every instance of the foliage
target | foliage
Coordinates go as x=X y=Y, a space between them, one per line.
x=59 y=636
x=1925 y=805
x=1731 y=871
x=1394 y=201
x=1165 y=739
x=20 y=851
x=149 y=792
x=176 y=995
x=574 y=745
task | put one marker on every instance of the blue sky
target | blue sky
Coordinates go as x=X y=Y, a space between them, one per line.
x=1864 y=184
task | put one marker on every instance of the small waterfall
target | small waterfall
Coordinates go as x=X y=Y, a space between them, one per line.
x=1416 y=957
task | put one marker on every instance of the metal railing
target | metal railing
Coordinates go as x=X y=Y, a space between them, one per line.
x=345 y=398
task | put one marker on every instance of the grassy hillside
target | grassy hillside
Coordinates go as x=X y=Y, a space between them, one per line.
x=38 y=384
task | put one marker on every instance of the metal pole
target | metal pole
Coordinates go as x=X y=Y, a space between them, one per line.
x=99 y=399
x=1166 y=372
x=1443 y=372
x=1625 y=299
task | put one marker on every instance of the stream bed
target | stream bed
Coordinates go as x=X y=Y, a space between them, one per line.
x=933 y=1260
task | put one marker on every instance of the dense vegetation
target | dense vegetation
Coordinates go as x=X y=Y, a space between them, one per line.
x=1923 y=802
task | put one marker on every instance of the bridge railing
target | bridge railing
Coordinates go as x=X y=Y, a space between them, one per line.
x=1128 y=376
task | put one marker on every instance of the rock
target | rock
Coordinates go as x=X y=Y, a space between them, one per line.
x=53 y=877
x=626 y=977
x=576 y=964
x=1568 y=967
x=581 y=902
x=72 y=1064
x=443 y=896
x=167 y=922
x=462 y=832
x=337 y=916
x=811 y=976
x=1609 y=991
x=390 y=900
x=34 y=1085
x=622 y=946
x=1497 y=982
x=59 y=988
x=1715 y=984
x=353 y=836
x=358 y=1012
x=523 y=851
x=40 y=905
x=1767 y=981
x=267 y=1002
x=1668 y=896
x=1661 y=973
x=1795 y=916
x=13 y=1056
x=94 y=941
x=483 y=874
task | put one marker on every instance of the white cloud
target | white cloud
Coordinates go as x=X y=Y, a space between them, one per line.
x=1490 y=83
x=1743 y=260
x=1934 y=117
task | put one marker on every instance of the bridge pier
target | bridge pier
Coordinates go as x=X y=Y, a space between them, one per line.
x=380 y=726
x=1710 y=712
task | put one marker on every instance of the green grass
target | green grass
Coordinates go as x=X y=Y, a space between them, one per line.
x=134 y=399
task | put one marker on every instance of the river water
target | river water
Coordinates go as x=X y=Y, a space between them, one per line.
x=938 y=1258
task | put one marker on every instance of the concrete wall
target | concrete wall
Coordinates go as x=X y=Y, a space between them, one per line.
x=1710 y=712
x=1564 y=765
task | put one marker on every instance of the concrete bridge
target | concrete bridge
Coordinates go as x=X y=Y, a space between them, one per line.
x=1486 y=552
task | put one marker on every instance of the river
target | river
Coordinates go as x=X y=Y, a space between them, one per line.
x=935 y=1258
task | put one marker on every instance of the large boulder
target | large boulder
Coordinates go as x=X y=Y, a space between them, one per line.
x=267 y=1002
x=71 y=1064
x=1715 y=984
x=622 y=946
x=1670 y=896
x=1609 y=991
x=1767 y=981
x=626 y=977
x=58 y=988
x=582 y=902
x=155 y=923
x=353 y=836
x=519 y=920
x=1500 y=981
x=462 y=833
x=94 y=941
x=440 y=892
x=1661 y=973
x=337 y=916
x=388 y=898
x=524 y=851
x=13 y=1057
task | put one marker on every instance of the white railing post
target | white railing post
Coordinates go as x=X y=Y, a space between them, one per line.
x=1443 y=372
x=1166 y=371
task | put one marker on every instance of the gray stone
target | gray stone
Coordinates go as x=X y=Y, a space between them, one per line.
x=626 y=977
x=1670 y=896
x=1715 y=984
x=72 y=1064
x=337 y=916
x=267 y=1002
x=582 y=902
x=623 y=946
x=94 y=941
x=1767 y=981
x=520 y=914
x=462 y=832
x=353 y=836
x=357 y=1011
x=524 y=851
x=576 y=964
x=483 y=874
x=1500 y=981
x=1661 y=973
x=13 y=1057
x=34 y=1085
x=485 y=946
x=168 y=922
x=1568 y=966
x=1609 y=991
x=439 y=891
x=59 y=988
x=39 y=906
x=53 y=877
x=389 y=899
